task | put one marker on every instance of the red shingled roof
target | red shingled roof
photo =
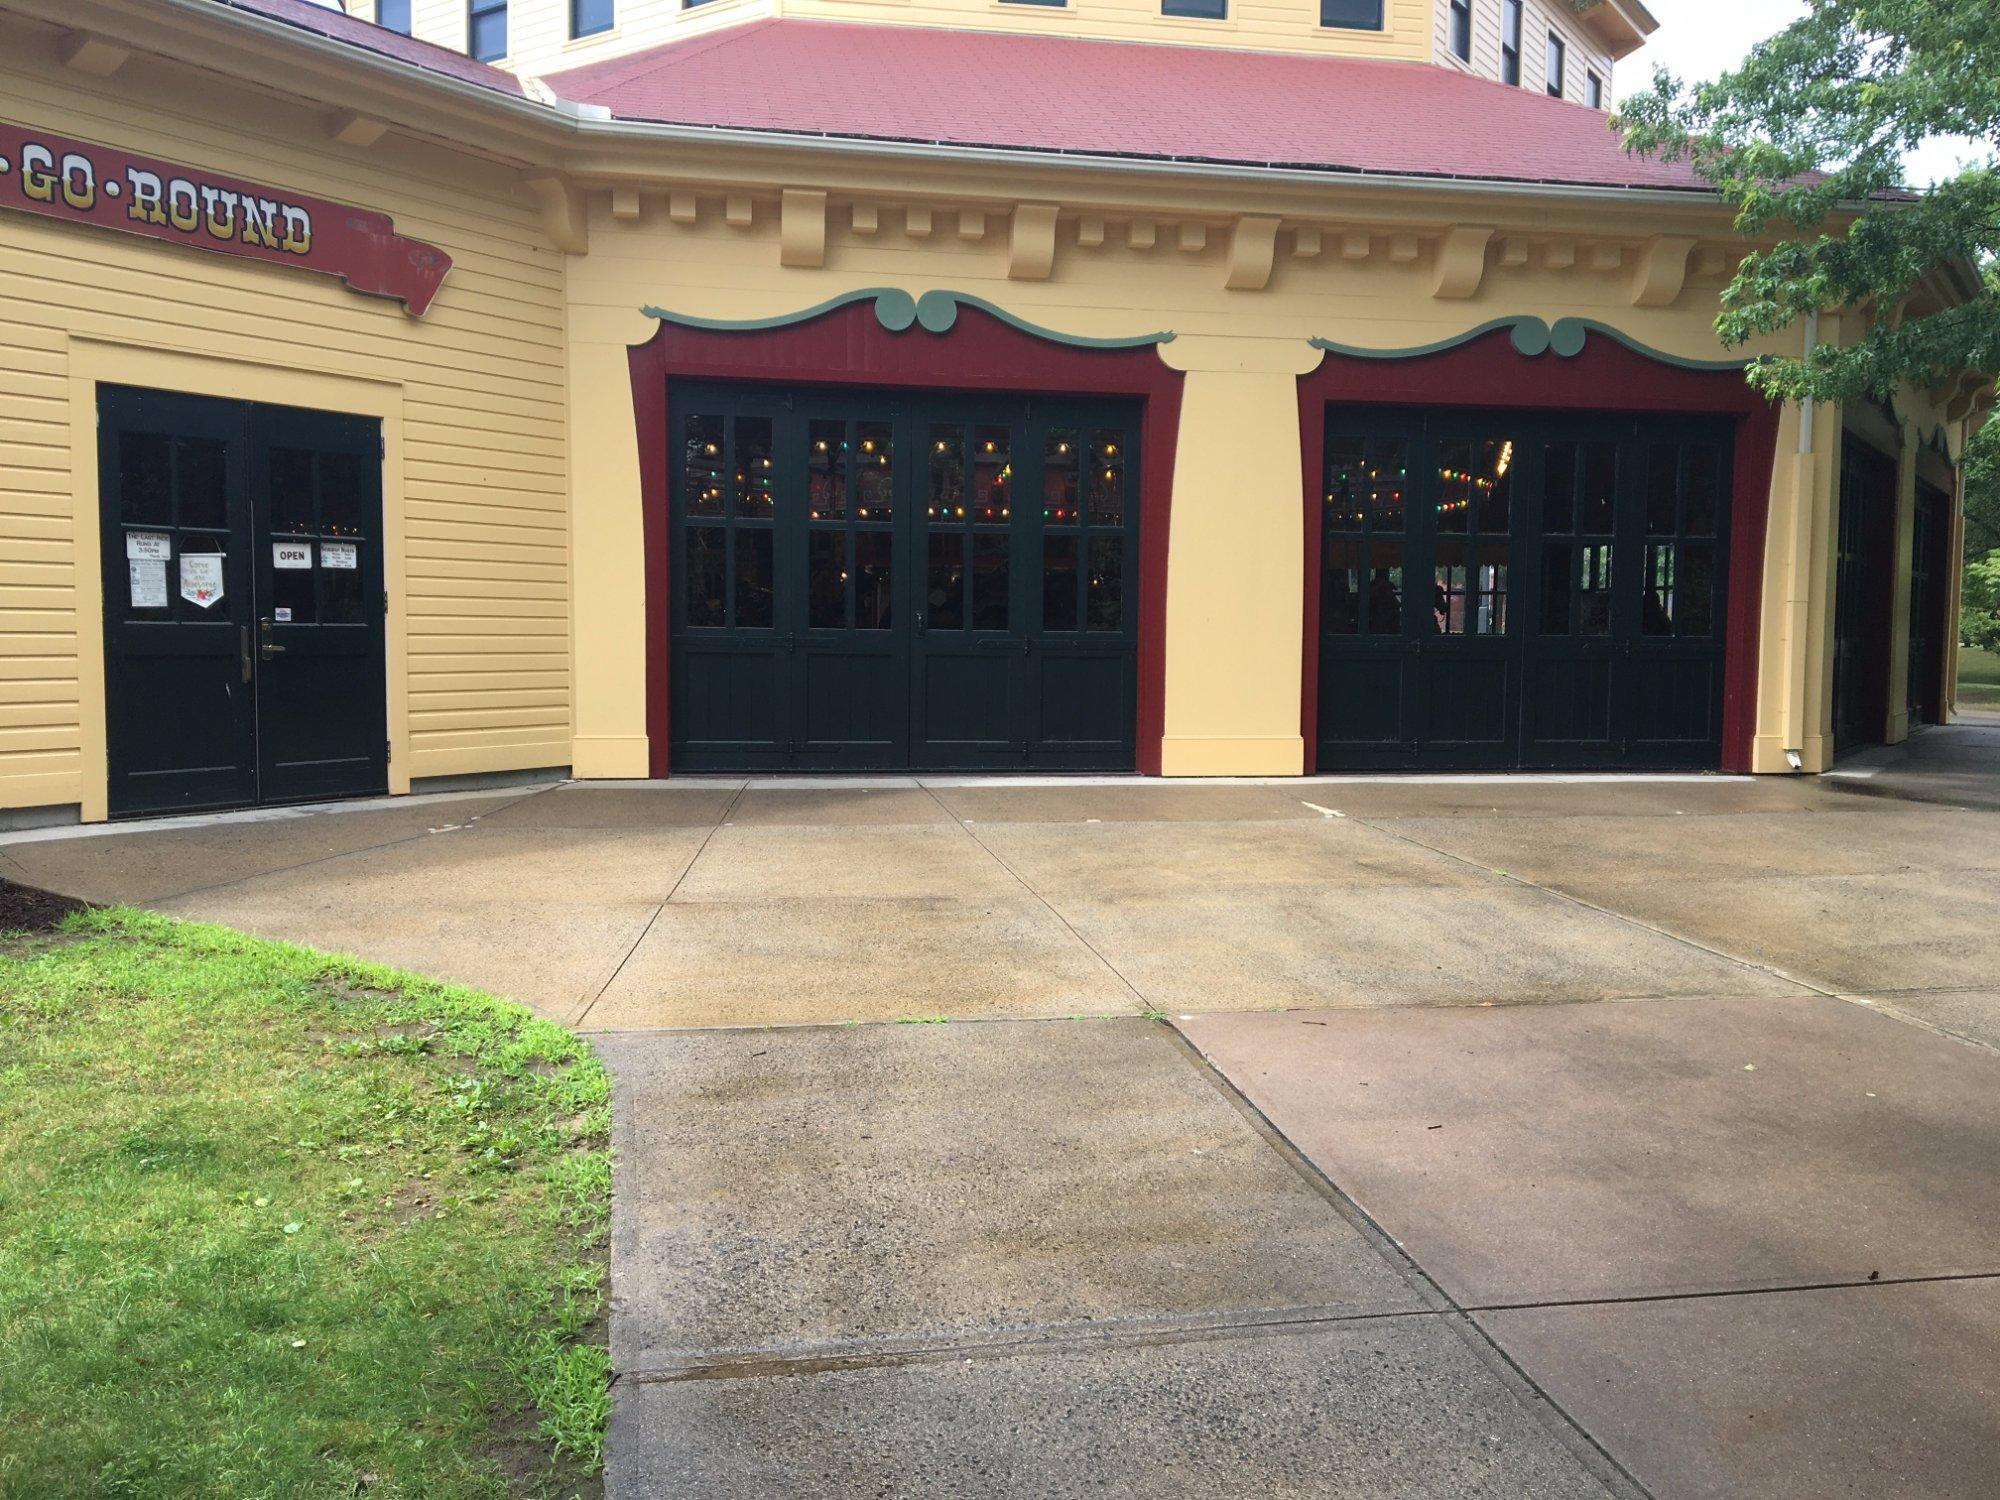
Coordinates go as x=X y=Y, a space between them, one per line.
x=1072 y=95
x=366 y=35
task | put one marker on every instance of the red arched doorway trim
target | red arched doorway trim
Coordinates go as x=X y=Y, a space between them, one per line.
x=849 y=345
x=1603 y=375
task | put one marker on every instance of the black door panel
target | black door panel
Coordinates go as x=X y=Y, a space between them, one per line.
x=1521 y=589
x=272 y=689
x=951 y=581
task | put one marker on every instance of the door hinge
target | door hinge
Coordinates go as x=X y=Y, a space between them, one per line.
x=388 y=750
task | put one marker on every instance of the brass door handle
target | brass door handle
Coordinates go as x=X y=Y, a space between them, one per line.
x=267 y=647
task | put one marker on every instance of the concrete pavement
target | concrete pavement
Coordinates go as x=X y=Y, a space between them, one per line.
x=1348 y=1137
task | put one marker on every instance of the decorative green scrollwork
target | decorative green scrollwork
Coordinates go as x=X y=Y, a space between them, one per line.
x=897 y=311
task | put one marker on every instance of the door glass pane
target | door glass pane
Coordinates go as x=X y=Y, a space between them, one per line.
x=1559 y=487
x=991 y=470
x=989 y=580
x=202 y=481
x=1346 y=485
x=1488 y=608
x=1558 y=565
x=1657 y=608
x=753 y=467
x=754 y=599
x=1059 y=487
x=945 y=587
x=1059 y=582
x=1107 y=477
x=947 y=482
x=292 y=594
x=826 y=470
x=343 y=481
x=145 y=479
x=1387 y=473
x=1449 y=587
x=1107 y=583
x=826 y=579
x=1702 y=482
x=1455 y=485
x=1594 y=616
x=1493 y=484
x=340 y=589
x=292 y=510
x=872 y=580
x=1340 y=588
x=1385 y=587
x=1696 y=612
x=1662 y=476
x=705 y=591
x=875 y=473
x=702 y=466
x=1597 y=503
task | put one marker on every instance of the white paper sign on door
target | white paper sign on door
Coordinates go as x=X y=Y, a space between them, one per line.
x=338 y=555
x=149 y=583
x=201 y=577
x=151 y=546
x=291 y=555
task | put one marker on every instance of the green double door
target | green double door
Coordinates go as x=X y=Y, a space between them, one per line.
x=243 y=603
x=1511 y=590
x=884 y=580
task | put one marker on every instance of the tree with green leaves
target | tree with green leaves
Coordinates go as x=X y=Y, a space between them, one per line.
x=1806 y=141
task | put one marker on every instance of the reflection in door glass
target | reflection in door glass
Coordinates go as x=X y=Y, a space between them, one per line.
x=1600 y=488
x=989 y=580
x=703 y=465
x=201 y=481
x=292 y=510
x=1558 y=563
x=1489 y=589
x=1060 y=458
x=1594 y=612
x=1107 y=478
x=826 y=579
x=1702 y=483
x=1696 y=615
x=1385 y=587
x=1340 y=587
x=992 y=472
x=946 y=497
x=945 y=585
x=343 y=480
x=145 y=479
x=753 y=466
x=1559 y=490
x=872 y=579
x=1657 y=607
x=875 y=473
x=705 y=589
x=1662 y=466
x=1107 y=585
x=826 y=470
x=1059 y=591
x=754 y=600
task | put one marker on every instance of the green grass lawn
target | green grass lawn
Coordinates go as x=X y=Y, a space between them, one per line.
x=279 y=1224
x=1978 y=678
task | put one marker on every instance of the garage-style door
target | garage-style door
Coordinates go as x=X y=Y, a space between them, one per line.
x=1506 y=589
x=867 y=580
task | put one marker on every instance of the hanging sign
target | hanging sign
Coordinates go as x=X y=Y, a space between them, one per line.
x=74 y=180
x=149 y=583
x=201 y=577
x=154 y=546
x=291 y=555
x=338 y=555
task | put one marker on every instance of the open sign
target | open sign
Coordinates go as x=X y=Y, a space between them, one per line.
x=291 y=555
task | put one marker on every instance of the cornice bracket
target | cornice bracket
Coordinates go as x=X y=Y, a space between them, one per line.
x=802 y=227
x=1253 y=244
x=1461 y=261
x=564 y=212
x=1662 y=271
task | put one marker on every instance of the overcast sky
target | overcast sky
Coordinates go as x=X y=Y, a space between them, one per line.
x=1700 y=38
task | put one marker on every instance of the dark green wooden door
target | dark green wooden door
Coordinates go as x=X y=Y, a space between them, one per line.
x=1930 y=577
x=1864 y=548
x=1505 y=589
x=871 y=580
x=231 y=679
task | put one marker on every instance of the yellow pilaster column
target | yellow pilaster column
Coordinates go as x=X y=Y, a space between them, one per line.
x=1897 y=727
x=607 y=548
x=1795 y=638
x=1236 y=561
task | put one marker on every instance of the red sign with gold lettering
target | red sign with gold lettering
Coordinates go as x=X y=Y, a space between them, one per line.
x=86 y=184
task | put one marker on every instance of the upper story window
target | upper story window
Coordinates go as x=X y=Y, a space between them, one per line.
x=588 y=17
x=1461 y=30
x=1200 y=10
x=486 y=29
x=1356 y=15
x=1593 y=90
x=1058 y=4
x=1558 y=59
x=393 y=15
x=1510 y=41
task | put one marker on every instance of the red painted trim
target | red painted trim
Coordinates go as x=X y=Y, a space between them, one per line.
x=849 y=347
x=1605 y=376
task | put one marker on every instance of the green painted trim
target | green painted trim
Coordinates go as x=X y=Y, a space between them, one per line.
x=897 y=311
x=1531 y=338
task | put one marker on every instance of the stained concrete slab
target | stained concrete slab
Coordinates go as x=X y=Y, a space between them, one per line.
x=1398 y=1407
x=621 y=807
x=836 y=806
x=147 y=863
x=1973 y=1015
x=766 y=863
x=1642 y=1148
x=1572 y=797
x=804 y=1190
x=552 y=956
x=1108 y=860
x=1845 y=933
x=795 y=961
x=1582 y=853
x=1870 y=1391
x=1383 y=945
x=1138 y=801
